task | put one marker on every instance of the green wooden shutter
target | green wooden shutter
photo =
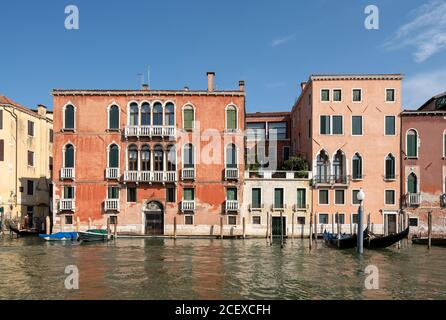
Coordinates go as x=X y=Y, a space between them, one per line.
x=412 y=184
x=301 y=198
x=114 y=117
x=231 y=119
x=69 y=157
x=278 y=198
x=188 y=194
x=113 y=158
x=412 y=145
x=256 y=198
x=231 y=194
x=188 y=119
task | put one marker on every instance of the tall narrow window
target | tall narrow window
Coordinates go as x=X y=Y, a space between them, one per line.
x=133 y=158
x=188 y=194
x=188 y=156
x=322 y=167
x=390 y=95
x=113 y=156
x=171 y=158
x=278 y=198
x=339 y=196
x=30 y=128
x=158 y=158
x=69 y=117
x=2 y=150
x=157 y=114
x=339 y=168
x=301 y=201
x=325 y=95
x=412 y=144
x=113 y=121
x=231 y=194
x=390 y=167
x=356 y=125
x=444 y=145
x=113 y=192
x=170 y=114
x=325 y=125
x=68 y=192
x=69 y=156
x=231 y=156
x=145 y=114
x=256 y=198
x=231 y=118
x=338 y=125
x=337 y=95
x=323 y=197
x=134 y=114
x=51 y=135
x=357 y=166
x=1 y=119
x=412 y=183
x=390 y=126
x=145 y=158
x=188 y=118
x=390 y=197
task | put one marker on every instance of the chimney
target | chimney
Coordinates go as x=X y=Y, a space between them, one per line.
x=145 y=86
x=302 y=85
x=41 y=110
x=211 y=76
x=186 y=88
x=241 y=85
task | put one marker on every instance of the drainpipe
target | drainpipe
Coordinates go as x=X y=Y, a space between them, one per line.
x=14 y=115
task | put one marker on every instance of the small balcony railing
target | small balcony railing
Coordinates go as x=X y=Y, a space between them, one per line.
x=131 y=131
x=231 y=205
x=111 y=205
x=150 y=176
x=67 y=173
x=188 y=205
x=278 y=206
x=255 y=206
x=299 y=207
x=150 y=131
x=170 y=176
x=145 y=176
x=331 y=179
x=231 y=173
x=413 y=199
x=131 y=176
x=188 y=174
x=112 y=173
x=67 y=205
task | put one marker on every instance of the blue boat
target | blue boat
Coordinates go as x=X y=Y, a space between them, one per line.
x=60 y=236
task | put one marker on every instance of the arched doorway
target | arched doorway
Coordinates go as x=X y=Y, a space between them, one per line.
x=154 y=218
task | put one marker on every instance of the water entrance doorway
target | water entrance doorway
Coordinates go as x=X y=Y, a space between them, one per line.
x=154 y=216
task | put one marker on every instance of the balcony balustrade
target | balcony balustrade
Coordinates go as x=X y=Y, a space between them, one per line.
x=67 y=173
x=112 y=173
x=231 y=173
x=188 y=174
x=150 y=131
x=67 y=205
x=131 y=176
x=187 y=205
x=111 y=205
x=413 y=199
x=150 y=176
x=231 y=205
x=331 y=180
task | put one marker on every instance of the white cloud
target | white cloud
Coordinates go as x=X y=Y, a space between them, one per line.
x=283 y=40
x=426 y=32
x=419 y=88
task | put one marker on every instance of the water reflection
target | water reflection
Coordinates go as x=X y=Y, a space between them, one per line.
x=215 y=269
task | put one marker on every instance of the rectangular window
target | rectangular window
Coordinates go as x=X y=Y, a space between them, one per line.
x=189 y=220
x=68 y=192
x=300 y=220
x=278 y=130
x=278 y=198
x=337 y=125
x=286 y=153
x=69 y=219
x=323 y=197
x=325 y=95
x=309 y=129
x=50 y=163
x=390 y=125
x=390 y=197
x=188 y=121
x=255 y=131
x=340 y=217
x=337 y=95
x=1 y=119
x=357 y=95
x=232 y=220
x=231 y=194
x=188 y=194
x=30 y=158
x=301 y=202
x=355 y=218
x=357 y=125
x=256 y=200
x=2 y=150
x=411 y=144
x=30 y=187
x=413 y=222
x=51 y=135
x=339 y=197
x=131 y=194
x=30 y=128
x=113 y=192
x=390 y=95
x=170 y=195
x=355 y=197
x=256 y=220
x=325 y=125
x=231 y=115
x=323 y=218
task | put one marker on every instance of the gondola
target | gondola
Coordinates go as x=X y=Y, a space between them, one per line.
x=346 y=241
x=378 y=242
x=440 y=242
x=25 y=232
x=94 y=235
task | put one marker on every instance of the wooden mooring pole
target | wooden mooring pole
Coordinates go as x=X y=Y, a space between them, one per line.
x=89 y=223
x=115 y=228
x=311 y=230
x=339 y=229
x=244 y=227
x=267 y=227
x=47 y=225
x=281 y=228
x=292 y=227
x=221 y=228
x=429 y=230
x=271 y=230
x=174 y=228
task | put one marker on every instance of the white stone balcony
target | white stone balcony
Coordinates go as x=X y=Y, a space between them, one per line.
x=150 y=176
x=231 y=206
x=67 y=173
x=188 y=174
x=112 y=173
x=187 y=205
x=231 y=173
x=131 y=176
x=111 y=205
x=67 y=205
x=150 y=131
x=131 y=131
x=413 y=199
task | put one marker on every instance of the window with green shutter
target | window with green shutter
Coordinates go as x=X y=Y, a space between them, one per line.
x=390 y=95
x=323 y=196
x=301 y=198
x=357 y=166
x=339 y=197
x=325 y=95
x=113 y=192
x=355 y=197
x=278 y=198
x=256 y=201
x=113 y=156
x=188 y=118
x=412 y=186
x=188 y=194
x=390 y=126
x=69 y=117
x=231 y=118
x=231 y=194
x=412 y=144
x=390 y=197
x=337 y=95
x=337 y=125
x=357 y=95
x=325 y=125
x=357 y=125
x=113 y=118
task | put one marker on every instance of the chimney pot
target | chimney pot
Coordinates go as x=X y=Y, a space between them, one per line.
x=186 y=88
x=241 y=85
x=302 y=85
x=41 y=110
x=145 y=86
x=211 y=76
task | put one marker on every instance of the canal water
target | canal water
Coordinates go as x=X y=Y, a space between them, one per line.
x=214 y=269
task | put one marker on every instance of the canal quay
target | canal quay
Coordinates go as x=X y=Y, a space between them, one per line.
x=163 y=268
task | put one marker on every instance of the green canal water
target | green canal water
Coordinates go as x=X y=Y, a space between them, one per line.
x=214 y=269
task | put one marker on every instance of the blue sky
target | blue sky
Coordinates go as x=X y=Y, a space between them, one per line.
x=272 y=45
